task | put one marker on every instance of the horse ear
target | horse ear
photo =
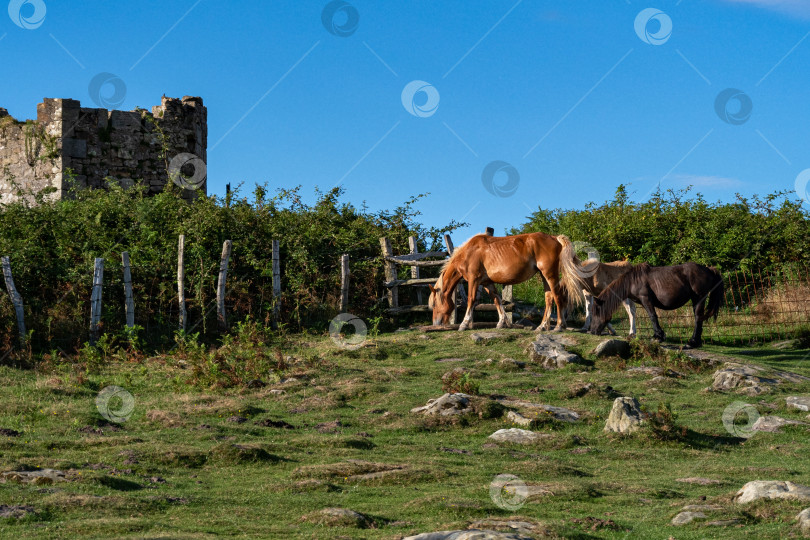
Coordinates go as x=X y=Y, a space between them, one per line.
x=431 y=288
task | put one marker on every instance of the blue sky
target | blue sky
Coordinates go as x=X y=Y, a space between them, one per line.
x=566 y=95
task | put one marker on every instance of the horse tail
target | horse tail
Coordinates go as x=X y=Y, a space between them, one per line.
x=572 y=281
x=716 y=295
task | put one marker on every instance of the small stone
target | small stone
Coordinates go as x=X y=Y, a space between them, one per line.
x=771 y=489
x=469 y=534
x=484 y=337
x=787 y=344
x=773 y=424
x=277 y=392
x=687 y=517
x=804 y=520
x=625 y=416
x=798 y=402
x=446 y=405
x=612 y=347
x=15 y=512
x=236 y=419
x=518 y=436
x=341 y=517
x=519 y=419
x=549 y=351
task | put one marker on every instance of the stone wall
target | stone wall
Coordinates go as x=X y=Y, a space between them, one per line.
x=73 y=146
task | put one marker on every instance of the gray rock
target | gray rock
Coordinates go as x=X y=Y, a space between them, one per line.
x=16 y=511
x=612 y=347
x=343 y=517
x=527 y=408
x=511 y=364
x=773 y=424
x=518 y=436
x=513 y=525
x=751 y=380
x=483 y=337
x=549 y=351
x=687 y=517
x=625 y=416
x=804 y=520
x=470 y=534
x=519 y=419
x=38 y=477
x=771 y=489
x=446 y=405
x=798 y=402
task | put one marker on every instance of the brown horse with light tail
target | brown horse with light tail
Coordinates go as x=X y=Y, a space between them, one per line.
x=507 y=260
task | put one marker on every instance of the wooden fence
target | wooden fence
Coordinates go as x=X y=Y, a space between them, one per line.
x=417 y=261
x=96 y=297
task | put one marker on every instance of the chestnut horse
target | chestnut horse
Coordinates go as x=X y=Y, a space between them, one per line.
x=663 y=287
x=507 y=260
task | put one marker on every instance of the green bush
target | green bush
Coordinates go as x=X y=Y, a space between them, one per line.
x=52 y=246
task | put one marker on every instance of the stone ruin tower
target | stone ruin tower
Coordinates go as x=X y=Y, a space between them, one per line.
x=73 y=146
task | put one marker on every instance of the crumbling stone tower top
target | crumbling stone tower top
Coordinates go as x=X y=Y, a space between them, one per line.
x=73 y=146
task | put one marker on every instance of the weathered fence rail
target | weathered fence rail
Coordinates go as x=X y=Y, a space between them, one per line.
x=417 y=261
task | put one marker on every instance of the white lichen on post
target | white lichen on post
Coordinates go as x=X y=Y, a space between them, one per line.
x=95 y=299
x=223 y=274
x=16 y=299
x=276 y=283
x=415 y=269
x=129 y=306
x=181 y=275
x=344 y=282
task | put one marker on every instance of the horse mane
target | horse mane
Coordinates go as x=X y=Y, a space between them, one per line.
x=616 y=292
x=456 y=254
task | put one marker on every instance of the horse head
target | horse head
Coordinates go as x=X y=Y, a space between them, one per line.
x=599 y=316
x=441 y=304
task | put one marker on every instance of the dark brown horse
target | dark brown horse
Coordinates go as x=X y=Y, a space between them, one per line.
x=663 y=287
x=486 y=260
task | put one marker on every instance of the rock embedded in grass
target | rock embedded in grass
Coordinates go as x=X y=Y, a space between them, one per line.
x=469 y=534
x=774 y=424
x=625 y=416
x=549 y=351
x=804 y=520
x=751 y=380
x=684 y=518
x=699 y=481
x=340 y=517
x=15 y=511
x=771 y=489
x=37 y=477
x=446 y=405
x=612 y=347
x=519 y=436
x=801 y=403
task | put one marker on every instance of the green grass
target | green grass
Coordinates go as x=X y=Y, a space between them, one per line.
x=173 y=469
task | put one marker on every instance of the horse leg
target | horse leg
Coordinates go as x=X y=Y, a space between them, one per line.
x=588 y=308
x=658 y=332
x=700 y=315
x=493 y=292
x=472 y=296
x=545 y=324
x=630 y=308
x=553 y=287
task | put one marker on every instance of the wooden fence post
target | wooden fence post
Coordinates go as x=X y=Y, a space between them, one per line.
x=16 y=299
x=181 y=276
x=506 y=296
x=456 y=295
x=223 y=274
x=129 y=306
x=95 y=300
x=276 y=284
x=390 y=272
x=344 y=283
x=415 y=269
